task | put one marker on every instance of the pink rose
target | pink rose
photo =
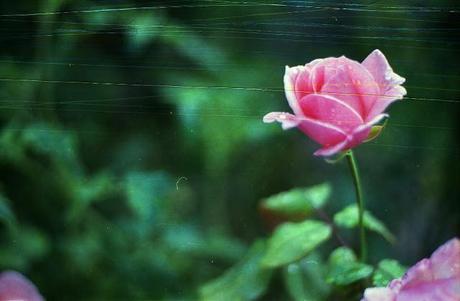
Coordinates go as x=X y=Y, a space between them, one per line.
x=14 y=286
x=437 y=278
x=337 y=100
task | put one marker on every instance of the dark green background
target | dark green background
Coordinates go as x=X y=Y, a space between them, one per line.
x=132 y=150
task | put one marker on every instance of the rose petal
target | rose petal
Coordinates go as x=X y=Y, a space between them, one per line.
x=387 y=80
x=442 y=290
x=445 y=261
x=378 y=294
x=383 y=102
x=14 y=286
x=362 y=132
x=330 y=110
x=303 y=83
x=436 y=278
x=290 y=76
x=332 y=150
x=381 y=70
x=324 y=133
x=353 y=84
x=322 y=70
x=287 y=120
x=370 y=123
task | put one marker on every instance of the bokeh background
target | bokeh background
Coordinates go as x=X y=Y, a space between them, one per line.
x=133 y=156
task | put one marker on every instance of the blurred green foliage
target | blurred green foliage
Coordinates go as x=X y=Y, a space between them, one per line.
x=133 y=156
x=387 y=270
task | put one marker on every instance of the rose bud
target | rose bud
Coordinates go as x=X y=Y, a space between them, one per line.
x=436 y=278
x=336 y=101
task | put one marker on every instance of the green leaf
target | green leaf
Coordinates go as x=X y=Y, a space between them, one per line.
x=292 y=241
x=143 y=29
x=6 y=214
x=348 y=218
x=245 y=281
x=145 y=193
x=57 y=143
x=345 y=269
x=387 y=270
x=304 y=280
x=294 y=280
x=187 y=239
x=25 y=244
x=299 y=200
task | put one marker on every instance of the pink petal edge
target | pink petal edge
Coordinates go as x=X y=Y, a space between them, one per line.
x=332 y=150
x=289 y=78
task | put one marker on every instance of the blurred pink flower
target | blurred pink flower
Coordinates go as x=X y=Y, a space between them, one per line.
x=434 y=279
x=14 y=286
x=337 y=100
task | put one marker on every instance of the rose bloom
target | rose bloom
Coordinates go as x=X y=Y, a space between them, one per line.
x=14 y=287
x=433 y=279
x=336 y=101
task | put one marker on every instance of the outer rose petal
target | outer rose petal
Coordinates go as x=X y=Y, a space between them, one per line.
x=14 y=286
x=331 y=150
x=381 y=70
x=289 y=79
x=357 y=137
x=287 y=120
x=445 y=290
x=322 y=132
x=379 y=294
x=446 y=260
x=388 y=81
x=369 y=124
x=302 y=84
x=325 y=133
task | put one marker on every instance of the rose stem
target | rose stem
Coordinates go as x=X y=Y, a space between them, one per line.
x=360 y=201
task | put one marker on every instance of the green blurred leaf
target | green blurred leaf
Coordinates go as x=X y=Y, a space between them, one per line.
x=88 y=190
x=24 y=245
x=345 y=269
x=299 y=201
x=294 y=280
x=6 y=214
x=59 y=144
x=348 y=218
x=245 y=281
x=292 y=241
x=145 y=192
x=143 y=29
x=189 y=240
x=387 y=270
x=304 y=280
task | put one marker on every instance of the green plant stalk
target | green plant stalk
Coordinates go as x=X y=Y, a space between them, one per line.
x=360 y=201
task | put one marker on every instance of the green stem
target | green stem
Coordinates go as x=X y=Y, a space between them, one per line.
x=360 y=201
